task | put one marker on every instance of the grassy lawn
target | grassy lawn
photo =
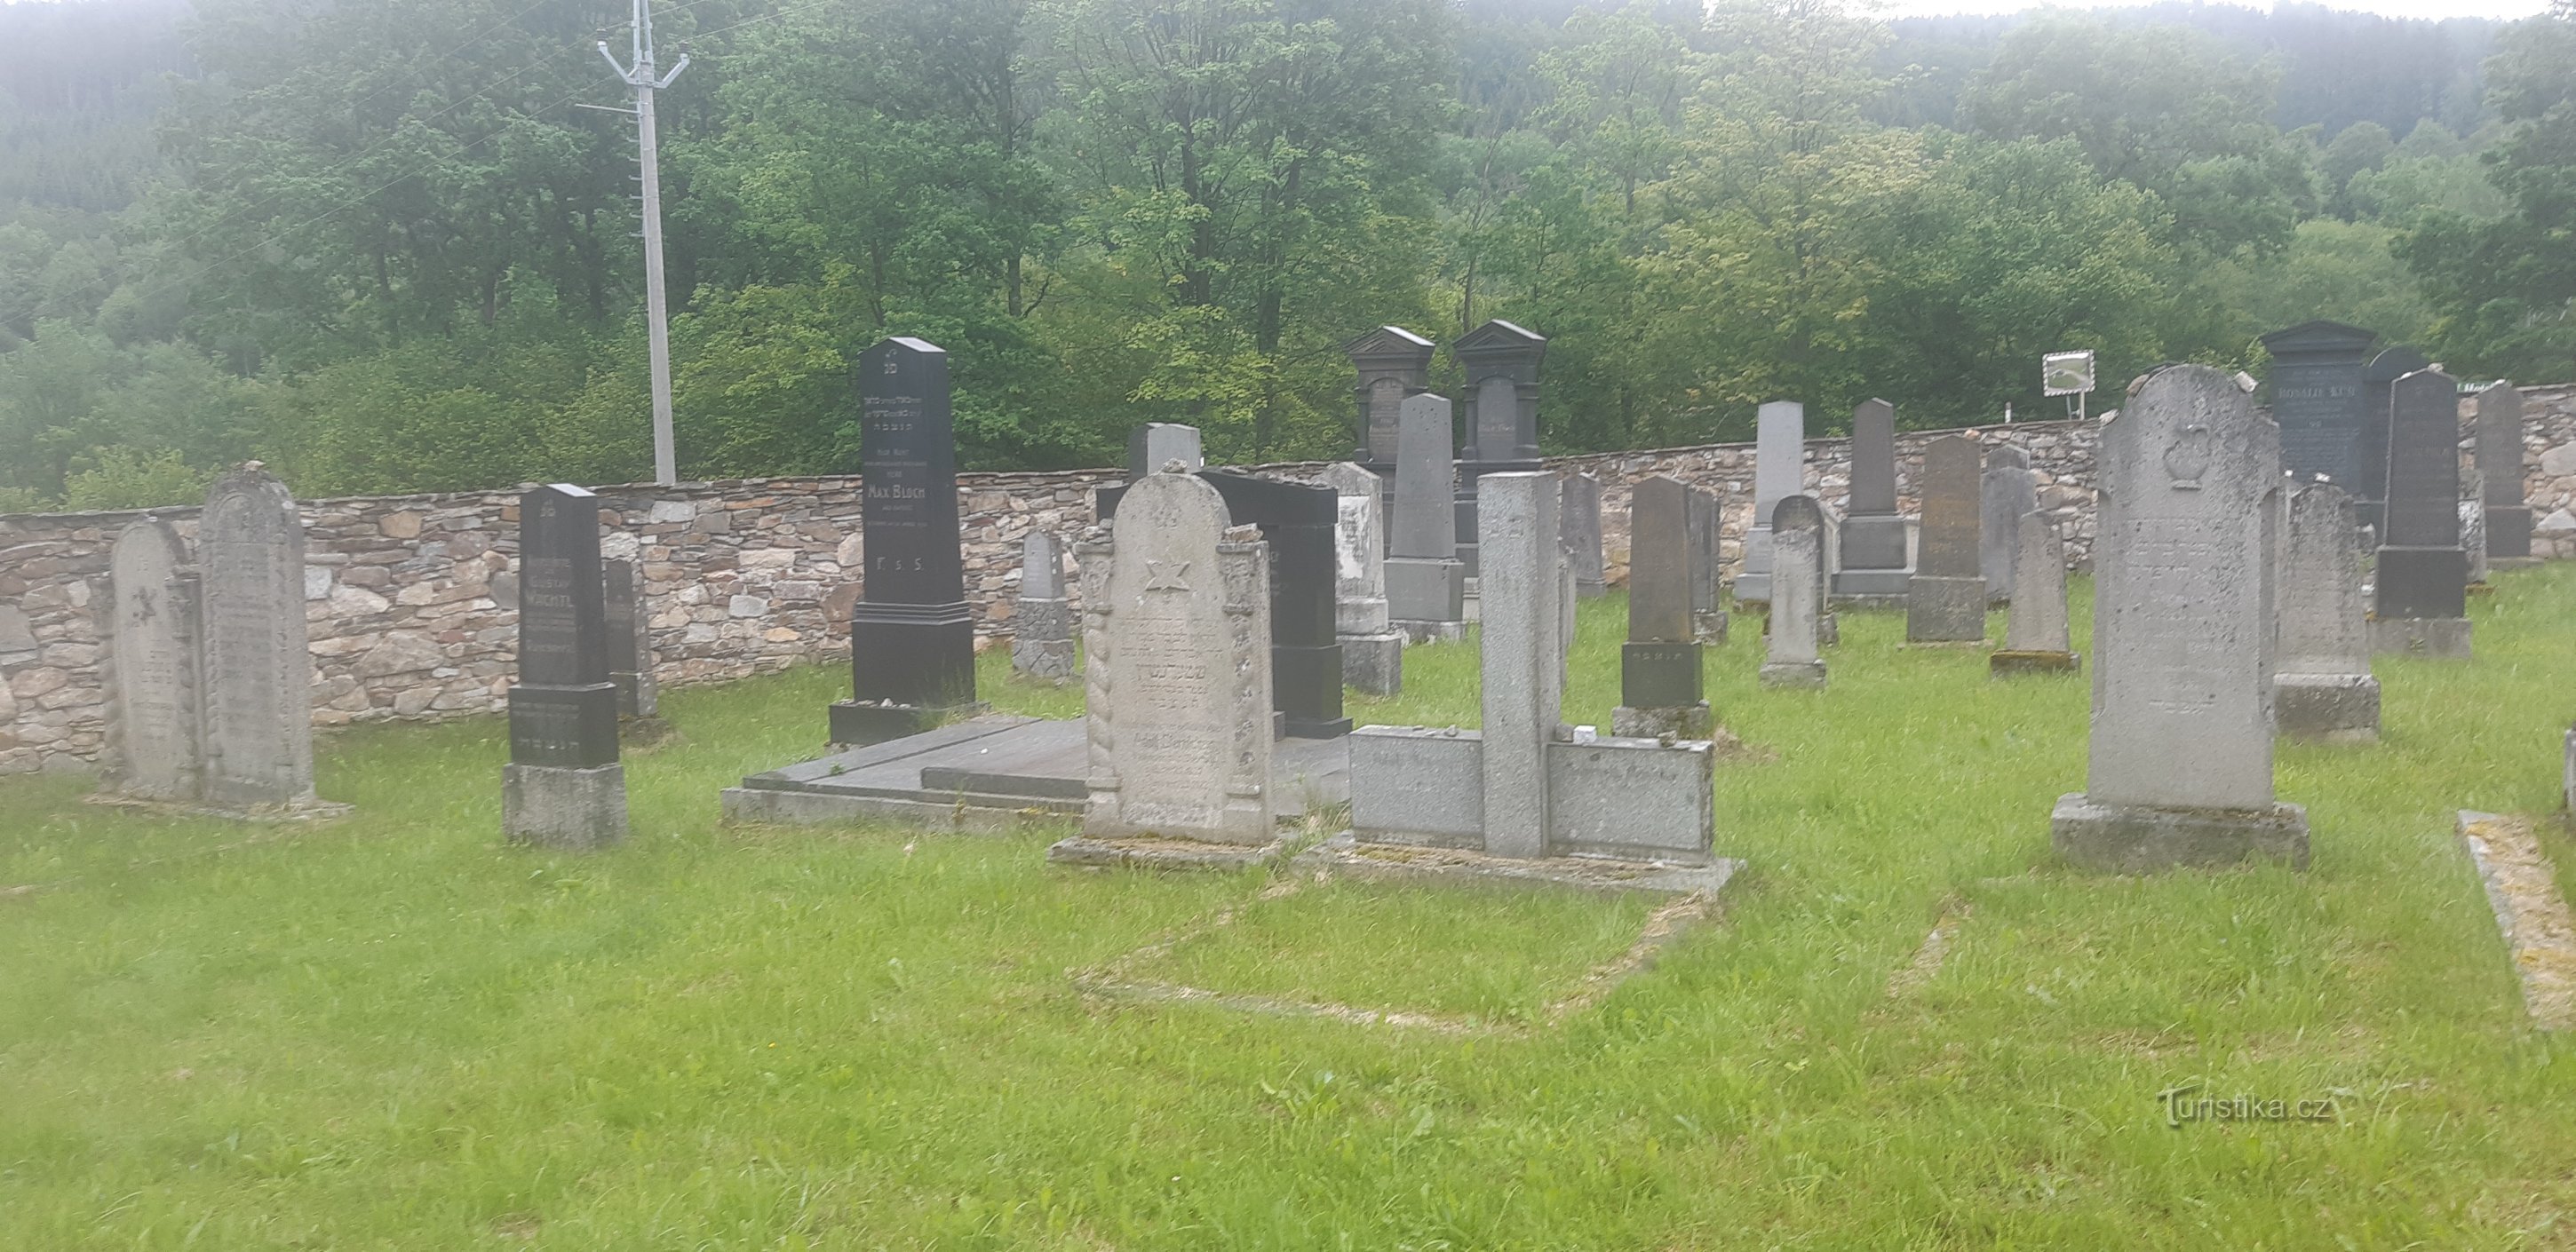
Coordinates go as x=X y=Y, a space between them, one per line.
x=395 y=1032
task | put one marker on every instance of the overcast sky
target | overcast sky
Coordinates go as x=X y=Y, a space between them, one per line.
x=2393 y=8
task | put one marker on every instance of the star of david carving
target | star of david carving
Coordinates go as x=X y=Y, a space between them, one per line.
x=1167 y=575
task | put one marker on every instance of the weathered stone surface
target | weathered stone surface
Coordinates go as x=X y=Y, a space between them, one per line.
x=1660 y=689
x=1042 y=643
x=1524 y=655
x=1708 y=565
x=2037 y=623
x=154 y=719
x=629 y=633
x=1425 y=582
x=1580 y=512
x=1946 y=598
x=1176 y=625
x=1501 y=364
x=1797 y=594
x=1155 y=445
x=2007 y=492
x=2317 y=400
x=259 y=674
x=2501 y=474
x=1872 y=561
x=2422 y=572
x=2322 y=675
x=1779 y=472
x=563 y=787
x=564 y=808
x=1392 y=363
x=2180 y=764
x=1359 y=551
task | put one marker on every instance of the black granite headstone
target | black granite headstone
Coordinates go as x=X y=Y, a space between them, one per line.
x=2318 y=403
x=1297 y=521
x=912 y=641
x=564 y=709
x=2422 y=570
x=2376 y=379
x=1392 y=363
x=1659 y=664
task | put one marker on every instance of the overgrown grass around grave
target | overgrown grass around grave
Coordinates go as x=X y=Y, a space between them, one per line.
x=394 y=1032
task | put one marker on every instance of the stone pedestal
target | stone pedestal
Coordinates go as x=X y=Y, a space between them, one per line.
x=858 y=723
x=1374 y=664
x=2125 y=839
x=1688 y=722
x=2446 y=638
x=1709 y=627
x=1945 y=610
x=2338 y=707
x=1042 y=648
x=559 y=806
x=1793 y=674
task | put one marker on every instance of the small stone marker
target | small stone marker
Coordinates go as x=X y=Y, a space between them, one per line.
x=563 y=787
x=2473 y=540
x=1797 y=594
x=1042 y=620
x=2180 y=769
x=2322 y=686
x=154 y=698
x=1393 y=363
x=1873 y=564
x=2422 y=574
x=1176 y=624
x=2501 y=474
x=1779 y=472
x=2035 y=630
x=2009 y=491
x=1660 y=693
x=912 y=640
x=1708 y=565
x=1154 y=445
x=1524 y=655
x=1425 y=582
x=1372 y=652
x=1945 y=601
x=630 y=641
x=258 y=729
x=1581 y=514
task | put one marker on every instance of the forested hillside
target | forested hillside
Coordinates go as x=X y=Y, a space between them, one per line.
x=381 y=246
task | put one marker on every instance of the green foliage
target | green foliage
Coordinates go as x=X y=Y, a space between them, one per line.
x=123 y=478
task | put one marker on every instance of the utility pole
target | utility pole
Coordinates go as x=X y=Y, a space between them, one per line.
x=657 y=313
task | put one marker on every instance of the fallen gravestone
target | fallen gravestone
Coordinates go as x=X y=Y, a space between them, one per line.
x=563 y=787
x=2322 y=686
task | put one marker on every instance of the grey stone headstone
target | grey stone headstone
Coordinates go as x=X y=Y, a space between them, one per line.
x=1501 y=364
x=2473 y=538
x=1946 y=598
x=2378 y=387
x=1779 y=472
x=1581 y=514
x=1708 y=564
x=1392 y=363
x=2422 y=572
x=2037 y=621
x=154 y=709
x=1873 y=536
x=1425 y=582
x=1154 y=445
x=1524 y=657
x=2323 y=686
x=1797 y=594
x=1372 y=653
x=1042 y=620
x=1660 y=688
x=2501 y=473
x=1176 y=625
x=630 y=639
x=2009 y=491
x=259 y=672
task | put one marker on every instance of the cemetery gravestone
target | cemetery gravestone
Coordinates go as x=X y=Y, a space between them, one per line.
x=1524 y=655
x=2501 y=474
x=1372 y=652
x=2180 y=764
x=1945 y=601
x=2322 y=686
x=1042 y=621
x=1580 y=502
x=630 y=641
x=2317 y=399
x=2422 y=574
x=1660 y=692
x=2378 y=384
x=2473 y=541
x=2035 y=629
x=1176 y=608
x=258 y=729
x=2009 y=491
x=1708 y=566
x=912 y=641
x=1797 y=594
x=1779 y=472
x=1393 y=363
x=1873 y=564
x=153 y=648
x=1425 y=581
x=1501 y=363
x=1155 y=445
x=563 y=787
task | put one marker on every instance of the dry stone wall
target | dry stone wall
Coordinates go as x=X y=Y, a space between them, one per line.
x=411 y=601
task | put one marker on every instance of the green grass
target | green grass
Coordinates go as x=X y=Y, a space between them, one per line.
x=396 y=1032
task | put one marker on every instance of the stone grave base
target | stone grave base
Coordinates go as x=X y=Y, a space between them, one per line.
x=1430 y=632
x=2005 y=661
x=2130 y=839
x=2443 y=637
x=1841 y=601
x=1945 y=610
x=2513 y=562
x=1871 y=588
x=2334 y=707
x=308 y=809
x=1829 y=628
x=1709 y=627
x=1625 y=798
x=990 y=775
x=1793 y=674
x=1154 y=853
x=857 y=724
x=2538 y=929
x=1346 y=855
x=562 y=806
x=1687 y=722
x=2508 y=532
x=1044 y=660
x=1373 y=663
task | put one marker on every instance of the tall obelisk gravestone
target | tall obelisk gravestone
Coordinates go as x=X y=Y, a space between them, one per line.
x=2322 y=687
x=1425 y=580
x=1500 y=406
x=1874 y=567
x=1660 y=693
x=2317 y=400
x=258 y=732
x=1523 y=656
x=1779 y=472
x=2501 y=475
x=563 y=787
x=2180 y=768
x=2423 y=574
x=912 y=642
x=1945 y=601
x=156 y=693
